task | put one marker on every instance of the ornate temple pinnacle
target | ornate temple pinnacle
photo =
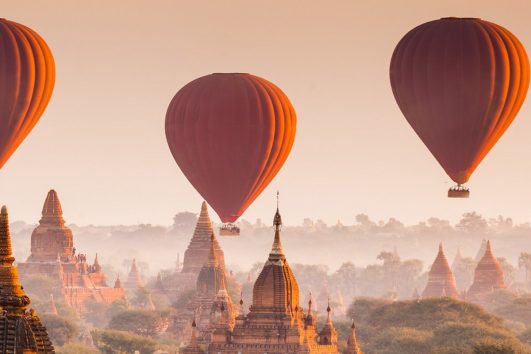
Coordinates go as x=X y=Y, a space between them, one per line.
x=276 y=250
x=6 y=252
x=12 y=296
x=52 y=212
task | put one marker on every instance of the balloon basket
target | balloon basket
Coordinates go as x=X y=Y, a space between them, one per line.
x=229 y=230
x=458 y=192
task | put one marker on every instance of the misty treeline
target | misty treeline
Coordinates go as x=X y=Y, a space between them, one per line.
x=385 y=259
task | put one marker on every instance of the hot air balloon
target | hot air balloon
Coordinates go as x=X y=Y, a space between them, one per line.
x=27 y=77
x=230 y=134
x=460 y=83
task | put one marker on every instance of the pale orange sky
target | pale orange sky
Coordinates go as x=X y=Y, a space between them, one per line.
x=101 y=142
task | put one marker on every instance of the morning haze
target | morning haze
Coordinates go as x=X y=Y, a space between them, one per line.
x=101 y=141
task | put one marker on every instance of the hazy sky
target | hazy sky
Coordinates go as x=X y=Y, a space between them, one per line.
x=101 y=142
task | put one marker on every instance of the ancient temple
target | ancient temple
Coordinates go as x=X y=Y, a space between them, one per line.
x=276 y=323
x=488 y=277
x=352 y=343
x=134 y=279
x=210 y=296
x=53 y=255
x=195 y=256
x=441 y=281
x=21 y=331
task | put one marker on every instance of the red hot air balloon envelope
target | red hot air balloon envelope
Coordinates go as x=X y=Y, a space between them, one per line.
x=460 y=83
x=230 y=134
x=27 y=77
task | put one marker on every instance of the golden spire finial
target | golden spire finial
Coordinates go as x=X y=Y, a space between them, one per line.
x=276 y=250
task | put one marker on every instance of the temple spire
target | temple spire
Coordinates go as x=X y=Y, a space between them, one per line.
x=352 y=342
x=12 y=296
x=52 y=212
x=97 y=266
x=117 y=282
x=310 y=305
x=328 y=310
x=276 y=250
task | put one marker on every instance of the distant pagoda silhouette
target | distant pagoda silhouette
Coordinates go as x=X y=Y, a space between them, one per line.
x=184 y=278
x=441 y=281
x=488 y=277
x=196 y=255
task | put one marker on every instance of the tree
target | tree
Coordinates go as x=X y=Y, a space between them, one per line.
x=75 y=348
x=96 y=312
x=464 y=273
x=184 y=222
x=140 y=322
x=472 y=223
x=60 y=329
x=114 y=342
x=39 y=287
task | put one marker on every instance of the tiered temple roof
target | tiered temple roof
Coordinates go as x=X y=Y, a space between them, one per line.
x=196 y=255
x=21 y=331
x=53 y=255
x=51 y=239
x=352 y=343
x=441 y=281
x=134 y=279
x=488 y=276
x=210 y=297
x=275 y=323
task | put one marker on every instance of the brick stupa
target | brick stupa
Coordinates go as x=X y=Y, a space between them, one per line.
x=196 y=255
x=184 y=278
x=53 y=255
x=134 y=279
x=441 y=281
x=21 y=331
x=488 y=277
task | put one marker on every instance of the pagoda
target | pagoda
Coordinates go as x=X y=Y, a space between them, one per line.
x=21 y=331
x=352 y=343
x=276 y=323
x=134 y=279
x=196 y=255
x=441 y=281
x=488 y=277
x=210 y=296
x=53 y=255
